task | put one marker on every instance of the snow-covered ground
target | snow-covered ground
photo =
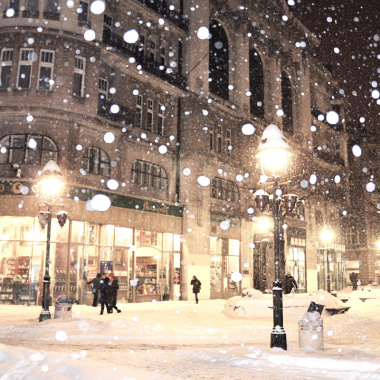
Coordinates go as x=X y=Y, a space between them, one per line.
x=184 y=340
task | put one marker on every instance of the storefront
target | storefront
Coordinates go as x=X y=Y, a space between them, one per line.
x=331 y=271
x=224 y=262
x=296 y=262
x=78 y=252
x=145 y=260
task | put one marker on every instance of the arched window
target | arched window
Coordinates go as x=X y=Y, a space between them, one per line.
x=256 y=83
x=96 y=161
x=150 y=175
x=218 y=61
x=287 y=103
x=224 y=189
x=27 y=149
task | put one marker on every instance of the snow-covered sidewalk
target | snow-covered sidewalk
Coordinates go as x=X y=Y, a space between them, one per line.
x=182 y=340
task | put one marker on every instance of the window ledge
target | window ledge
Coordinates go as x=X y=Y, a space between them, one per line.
x=79 y=98
x=40 y=91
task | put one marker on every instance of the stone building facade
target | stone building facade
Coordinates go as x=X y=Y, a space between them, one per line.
x=361 y=224
x=146 y=103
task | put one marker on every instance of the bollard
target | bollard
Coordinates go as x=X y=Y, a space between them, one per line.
x=310 y=331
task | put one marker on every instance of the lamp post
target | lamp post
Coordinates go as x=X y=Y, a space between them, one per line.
x=273 y=153
x=327 y=236
x=50 y=185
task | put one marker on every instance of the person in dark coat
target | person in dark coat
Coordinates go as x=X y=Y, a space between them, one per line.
x=112 y=293
x=95 y=289
x=103 y=289
x=196 y=287
x=354 y=280
x=290 y=282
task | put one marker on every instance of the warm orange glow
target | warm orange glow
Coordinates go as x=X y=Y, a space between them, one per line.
x=327 y=236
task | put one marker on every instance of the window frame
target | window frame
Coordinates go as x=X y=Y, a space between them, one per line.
x=83 y=16
x=94 y=162
x=162 y=55
x=139 y=109
x=228 y=142
x=24 y=63
x=149 y=115
x=79 y=71
x=102 y=93
x=6 y=64
x=49 y=65
x=160 y=119
x=152 y=50
x=52 y=6
x=224 y=189
x=150 y=175
x=43 y=156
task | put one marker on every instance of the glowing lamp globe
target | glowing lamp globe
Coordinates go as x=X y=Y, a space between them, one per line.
x=327 y=236
x=51 y=181
x=273 y=152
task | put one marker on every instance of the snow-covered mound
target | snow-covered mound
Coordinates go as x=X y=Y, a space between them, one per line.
x=256 y=305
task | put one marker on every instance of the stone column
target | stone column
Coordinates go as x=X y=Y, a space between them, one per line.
x=196 y=59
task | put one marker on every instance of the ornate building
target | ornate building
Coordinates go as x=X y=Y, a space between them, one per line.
x=146 y=102
x=361 y=223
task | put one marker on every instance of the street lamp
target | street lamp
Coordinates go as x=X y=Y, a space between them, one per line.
x=50 y=184
x=327 y=236
x=274 y=153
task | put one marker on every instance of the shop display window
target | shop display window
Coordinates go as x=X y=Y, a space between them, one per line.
x=296 y=265
x=20 y=260
x=224 y=260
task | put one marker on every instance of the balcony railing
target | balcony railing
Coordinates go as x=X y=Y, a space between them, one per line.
x=28 y=13
x=125 y=115
x=51 y=15
x=162 y=8
x=119 y=45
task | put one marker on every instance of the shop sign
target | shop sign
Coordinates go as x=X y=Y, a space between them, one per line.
x=85 y=194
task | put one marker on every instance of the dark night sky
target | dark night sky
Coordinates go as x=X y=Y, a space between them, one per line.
x=353 y=26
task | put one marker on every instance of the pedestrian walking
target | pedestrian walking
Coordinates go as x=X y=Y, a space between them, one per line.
x=196 y=287
x=95 y=289
x=354 y=280
x=103 y=290
x=289 y=283
x=112 y=293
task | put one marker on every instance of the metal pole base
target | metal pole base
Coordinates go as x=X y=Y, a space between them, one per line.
x=278 y=338
x=45 y=315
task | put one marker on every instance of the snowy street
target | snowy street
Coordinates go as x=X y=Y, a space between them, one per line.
x=182 y=340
